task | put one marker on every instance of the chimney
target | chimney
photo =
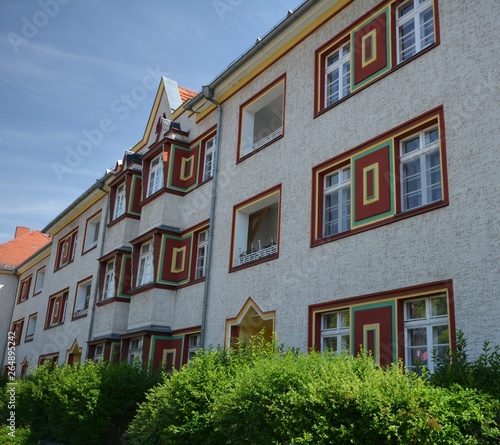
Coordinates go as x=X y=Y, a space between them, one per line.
x=21 y=231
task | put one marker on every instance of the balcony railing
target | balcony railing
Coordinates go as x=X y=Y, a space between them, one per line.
x=268 y=138
x=245 y=258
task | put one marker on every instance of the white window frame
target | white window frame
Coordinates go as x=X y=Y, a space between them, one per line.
x=99 y=353
x=340 y=333
x=30 y=329
x=108 y=290
x=423 y=35
x=155 y=179
x=145 y=272
x=135 y=351
x=420 y=157
x=83 y=293
x=208 y=161
x=201 y=254
x=427 y=322
x=194 y=345
x=92 y=232
x=343 y=209
x=120 y=201
x=40 y=277
x=342 y=67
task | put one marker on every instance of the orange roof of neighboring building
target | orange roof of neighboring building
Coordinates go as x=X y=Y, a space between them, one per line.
x=25 y=244
x=186 y=94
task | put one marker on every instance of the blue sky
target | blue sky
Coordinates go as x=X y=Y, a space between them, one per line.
x=69 y=67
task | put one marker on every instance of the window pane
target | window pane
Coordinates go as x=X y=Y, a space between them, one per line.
x=407 y=40
x=344 y=319
x=332 y=179
x=440 y=335
x=418 y=357
x=330 y=344
x=415 y=309
x=431 y=136
x=417 y=337
x=344 y=343
x=411 y=145
x=406 y=9
x=426 y=28
x=439 y=306
x=330 y=321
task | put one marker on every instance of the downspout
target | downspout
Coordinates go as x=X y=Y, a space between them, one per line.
x=101 y=252
x=208 y=93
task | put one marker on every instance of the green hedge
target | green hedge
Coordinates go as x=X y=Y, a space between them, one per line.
x=257 y=396
x=82 y=404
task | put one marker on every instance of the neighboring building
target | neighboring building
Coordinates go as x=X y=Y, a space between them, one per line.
x=343 y=214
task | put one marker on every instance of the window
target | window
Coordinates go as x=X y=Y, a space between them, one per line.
x=30 y=330
x=82 y=298
x=155 y=181
x=109 y=281
x=255 y=228
x=208 y=161
x=135 y=351
x=56 y=310
x=120 y=201
x=337 y=202
x=337 y=75
x=194 y=345
x=201 y=254
x=66 y=250
x=40 y=277
x=92 y=232
x=335 y=331
x=50 y=358
x=262 y=119
x=24 y=289
x=99 y=353
x=17 y=329
x=145 y=273
x=427 y=334
x=415 y=27
x=420 y=169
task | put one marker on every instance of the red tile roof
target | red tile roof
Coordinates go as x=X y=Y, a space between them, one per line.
x=186 y=94
x=26 y=243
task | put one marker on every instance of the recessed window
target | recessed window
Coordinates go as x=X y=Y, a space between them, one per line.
x=146 y=269
x=201 y=254
x=24 y=289
x=120 y=201
x=337 y=75
x=30 y=330
x=56 y=310
x=99 y=353
x=194 y=345
x=415 y=27
x=155 y=180
x=256 y=229
x=420 y=169
x=335 y=331
x=92 y=232
x=40 y=277
x=208 y=159
x=66 y=250
x=17 y=329
x=82 y=298
x=262 y=119
x=337 y=202
x=135 y=351
x=427 y=335
x=109 y=281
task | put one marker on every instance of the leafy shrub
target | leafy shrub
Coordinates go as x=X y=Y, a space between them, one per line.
x=82 y=404
x=482 y=374
x=256 y=395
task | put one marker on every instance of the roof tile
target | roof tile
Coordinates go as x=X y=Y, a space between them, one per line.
x=14 y=252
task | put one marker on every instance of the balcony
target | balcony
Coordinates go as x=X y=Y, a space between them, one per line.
x=248 y=257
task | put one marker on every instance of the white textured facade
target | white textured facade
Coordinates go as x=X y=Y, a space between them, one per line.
x=415 y=255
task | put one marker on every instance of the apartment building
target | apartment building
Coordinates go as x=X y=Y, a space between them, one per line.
x=316 y=189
